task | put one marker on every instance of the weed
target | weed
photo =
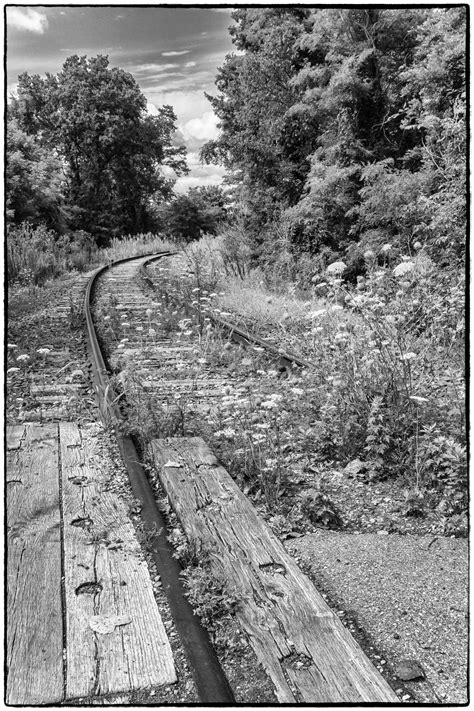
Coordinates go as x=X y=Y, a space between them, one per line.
x=212 y=599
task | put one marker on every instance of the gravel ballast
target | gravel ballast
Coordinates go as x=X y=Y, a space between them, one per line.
x=409 y=595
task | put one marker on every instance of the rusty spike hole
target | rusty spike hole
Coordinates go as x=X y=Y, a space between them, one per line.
x=297 y=660
x=79 y=480
x=273 y=568
x=85 y=522
x=89 y=588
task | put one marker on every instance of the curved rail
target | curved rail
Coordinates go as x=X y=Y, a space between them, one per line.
x=286 y=359
x=211 y=683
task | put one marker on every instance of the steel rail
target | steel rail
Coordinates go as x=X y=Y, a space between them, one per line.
x=239 y=335
x=211 y=683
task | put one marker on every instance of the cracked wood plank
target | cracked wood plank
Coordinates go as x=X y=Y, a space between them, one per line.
x=306 y=651
x=105 y=576
x=34 y=617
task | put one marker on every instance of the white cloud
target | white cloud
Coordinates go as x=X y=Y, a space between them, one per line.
x=194 y=181
x=203 y=128
x=27 y=19
x=175 y=54
x=187 y=104
x=143 y=68
x=151 y=109
x=189 y=64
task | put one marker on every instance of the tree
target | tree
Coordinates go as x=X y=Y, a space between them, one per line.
x=262 y=140
x=34 y=181
x=95 y=118
x=201 y=211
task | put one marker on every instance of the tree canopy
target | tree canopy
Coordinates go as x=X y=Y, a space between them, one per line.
x=94 y=119
x=348 y=124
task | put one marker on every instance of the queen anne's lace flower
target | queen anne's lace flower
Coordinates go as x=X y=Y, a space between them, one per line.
x=336 y=268
x=403 y=268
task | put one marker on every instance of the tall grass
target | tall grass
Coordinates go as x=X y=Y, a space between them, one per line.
x=133 y=246
x=36 y=254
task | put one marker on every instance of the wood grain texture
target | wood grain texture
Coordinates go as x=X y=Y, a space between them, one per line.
x=105 y=575
x=34 y=649
x=307 y=652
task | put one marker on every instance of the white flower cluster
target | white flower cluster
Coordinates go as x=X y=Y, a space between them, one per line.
x=403 y=268
x=336 y=268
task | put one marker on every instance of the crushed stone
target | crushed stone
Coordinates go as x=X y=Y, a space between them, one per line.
x=408 y=593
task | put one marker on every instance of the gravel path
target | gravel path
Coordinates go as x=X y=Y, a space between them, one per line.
x=408 y=593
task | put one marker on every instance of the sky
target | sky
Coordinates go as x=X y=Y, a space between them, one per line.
x=173 y=54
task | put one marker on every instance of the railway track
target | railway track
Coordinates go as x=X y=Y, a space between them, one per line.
x=165 y=372
x=162 y=369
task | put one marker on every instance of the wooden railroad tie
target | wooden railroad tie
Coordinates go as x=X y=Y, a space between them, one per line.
x=93 y=577
x=303 y=646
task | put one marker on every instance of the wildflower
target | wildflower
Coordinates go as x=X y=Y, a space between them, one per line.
x=369 y=254
x=297 y=391
x=228 y=432
x=23 y=357
x=149 y=312
x=13 y=370
x=418 y=398
x=407 y=356
x=44 y=351
x=336 y=268
x=386 y=247
x=125 y=324
x=139 y=328
x=316 y=314
x=417 y=246
x=12 y=346
x=403 y=268
x=151 y=332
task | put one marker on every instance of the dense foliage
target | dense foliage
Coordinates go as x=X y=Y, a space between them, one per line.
x=186 y=217
x=348 y=127
x=83 y=154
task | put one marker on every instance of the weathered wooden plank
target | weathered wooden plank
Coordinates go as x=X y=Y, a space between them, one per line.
x=106 y=580
x=15 y=434
x=307 y=652
x=34 y=617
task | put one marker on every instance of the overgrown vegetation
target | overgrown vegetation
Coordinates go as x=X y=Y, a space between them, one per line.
x=345 y=129
x=343 y=132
